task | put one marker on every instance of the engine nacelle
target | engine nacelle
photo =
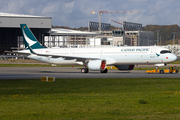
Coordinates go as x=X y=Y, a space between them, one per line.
x=97 y=65
x=125 y=67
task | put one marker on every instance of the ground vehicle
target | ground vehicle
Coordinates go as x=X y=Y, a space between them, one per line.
x=172 y=69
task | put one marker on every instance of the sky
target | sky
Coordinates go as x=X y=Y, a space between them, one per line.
x=77 y=13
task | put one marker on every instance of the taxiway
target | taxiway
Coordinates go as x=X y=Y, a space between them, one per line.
x=69 y=72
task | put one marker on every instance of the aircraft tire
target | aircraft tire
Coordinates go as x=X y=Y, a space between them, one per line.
x=84 y=70
x=104 y=71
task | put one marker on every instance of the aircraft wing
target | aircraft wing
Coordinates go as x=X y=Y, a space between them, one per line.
x=110 y=61
x=27 y=52
x=70 y=57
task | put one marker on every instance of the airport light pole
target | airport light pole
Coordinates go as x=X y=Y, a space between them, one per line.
x=174 y=33
x=160 y=40
x=157 y=36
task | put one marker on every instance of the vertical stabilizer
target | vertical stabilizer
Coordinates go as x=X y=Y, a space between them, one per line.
x=29 y=39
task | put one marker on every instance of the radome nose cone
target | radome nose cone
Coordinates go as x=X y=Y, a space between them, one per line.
x=174 y=57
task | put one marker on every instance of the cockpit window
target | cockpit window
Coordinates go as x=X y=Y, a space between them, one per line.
x=165 y=51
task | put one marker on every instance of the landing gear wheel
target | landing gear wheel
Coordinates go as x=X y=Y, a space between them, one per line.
x=84 y=70
x=104 y=71
x=87 y=70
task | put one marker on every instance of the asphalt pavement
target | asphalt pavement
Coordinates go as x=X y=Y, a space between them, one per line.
x=73 y=72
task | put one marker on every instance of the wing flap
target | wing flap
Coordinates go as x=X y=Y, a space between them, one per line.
x=110 y=61
x=69 y=57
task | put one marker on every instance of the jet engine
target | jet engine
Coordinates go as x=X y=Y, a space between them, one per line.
x=125 y=67
x=97 y=65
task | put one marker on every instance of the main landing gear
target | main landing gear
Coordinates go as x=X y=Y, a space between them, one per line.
x=104 y=71
x=84 y=70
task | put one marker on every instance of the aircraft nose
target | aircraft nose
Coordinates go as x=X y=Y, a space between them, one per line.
x=173 y=57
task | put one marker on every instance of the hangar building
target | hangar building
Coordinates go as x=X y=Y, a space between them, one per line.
x=11 y=36
x=10 y=33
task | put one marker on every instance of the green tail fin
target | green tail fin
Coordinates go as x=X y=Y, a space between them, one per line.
x=29 y=39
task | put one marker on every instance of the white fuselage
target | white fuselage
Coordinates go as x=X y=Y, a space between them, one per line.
x=113 y=55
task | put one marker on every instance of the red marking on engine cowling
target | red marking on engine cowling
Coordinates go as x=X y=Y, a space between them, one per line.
x=103 y=65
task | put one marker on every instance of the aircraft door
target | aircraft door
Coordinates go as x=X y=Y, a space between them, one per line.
x=101 y=53
x=152 y=54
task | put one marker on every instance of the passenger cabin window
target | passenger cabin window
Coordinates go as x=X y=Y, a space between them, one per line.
x=165 y=51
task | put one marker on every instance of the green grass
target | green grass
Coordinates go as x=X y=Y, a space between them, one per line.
x=151 y=68
x=90 y=99
x=36 y=65
x=26 y=64
x=176 y=62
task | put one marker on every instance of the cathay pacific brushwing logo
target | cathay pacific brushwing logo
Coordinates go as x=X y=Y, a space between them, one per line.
x=157 y=55
x=29 y=41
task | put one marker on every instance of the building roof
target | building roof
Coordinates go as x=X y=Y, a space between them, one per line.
x=72 y=32
x=2 y=14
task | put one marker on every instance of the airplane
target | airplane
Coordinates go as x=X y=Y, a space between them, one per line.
x=97 y=59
